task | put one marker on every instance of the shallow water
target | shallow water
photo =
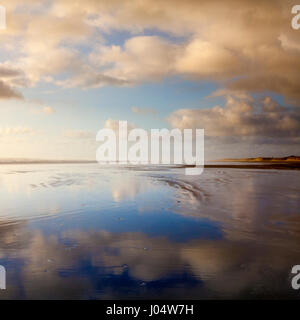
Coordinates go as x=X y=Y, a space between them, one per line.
x=84 y=232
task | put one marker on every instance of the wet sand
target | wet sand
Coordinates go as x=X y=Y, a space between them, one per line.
x=79 y=231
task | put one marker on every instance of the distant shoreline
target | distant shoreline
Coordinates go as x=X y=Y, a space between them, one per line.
x=287 y=163
x=24 y=161
x=275 y=163
x=295 y=165
x=289 y=159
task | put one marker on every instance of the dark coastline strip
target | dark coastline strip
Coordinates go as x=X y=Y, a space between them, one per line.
x=267 y=165
x=278 y=166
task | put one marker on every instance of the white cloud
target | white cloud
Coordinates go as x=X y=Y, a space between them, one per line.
x=204 y=59
x=142 y=58
x=241 y=118
x=7 y=92
x=254 y=49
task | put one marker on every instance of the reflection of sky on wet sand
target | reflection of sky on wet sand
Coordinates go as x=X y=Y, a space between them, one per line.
x=79 y=231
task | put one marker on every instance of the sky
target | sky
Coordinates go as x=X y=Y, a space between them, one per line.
x=69 y=68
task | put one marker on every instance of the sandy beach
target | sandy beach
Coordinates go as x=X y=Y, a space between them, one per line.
x=77 y=231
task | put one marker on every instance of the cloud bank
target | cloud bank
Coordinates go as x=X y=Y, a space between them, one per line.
x=241 y=118
x=245 y=45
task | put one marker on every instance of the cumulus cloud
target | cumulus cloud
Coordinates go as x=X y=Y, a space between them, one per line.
x=204 y=59
x=142 y=58
x=249 y=45
x=256 y=51
x=89 y=78
x=241 y=118
x=10 y=78
x=6 y=92
x=8 y=72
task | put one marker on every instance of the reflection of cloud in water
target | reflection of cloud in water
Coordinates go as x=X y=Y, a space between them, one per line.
x=77 y=264
x=249 y=204
x=162 y=245
x=127 y=187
